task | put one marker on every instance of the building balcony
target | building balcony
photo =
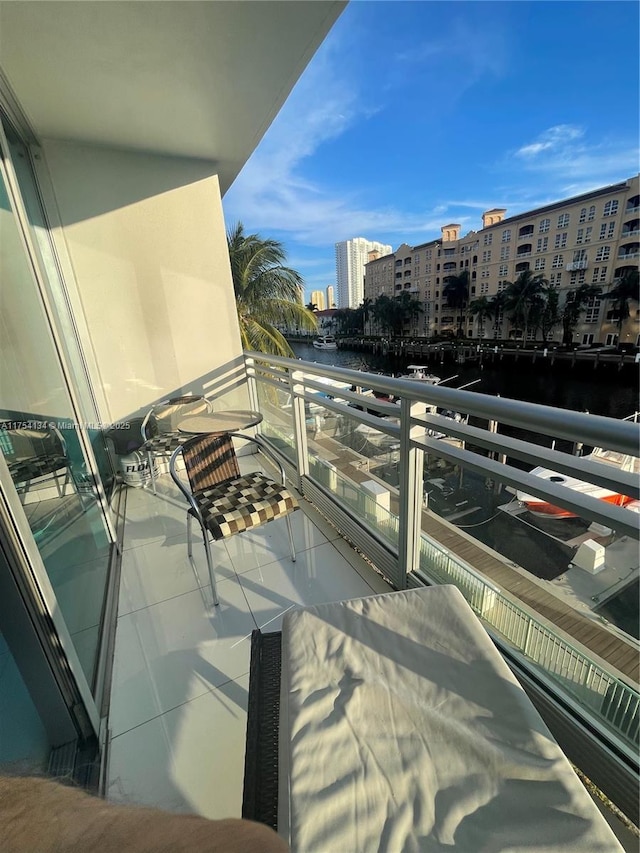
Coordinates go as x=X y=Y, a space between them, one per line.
x=180 y=678
x=577 y=265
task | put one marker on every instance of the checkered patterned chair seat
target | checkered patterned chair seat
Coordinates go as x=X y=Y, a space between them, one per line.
x=164 y=443
x=242 y=503
x=23 y=470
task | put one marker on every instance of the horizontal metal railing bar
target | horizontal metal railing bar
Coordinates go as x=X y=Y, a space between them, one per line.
x=621 y=520
x=608 y=476
x=381 y=424
x=594 y=430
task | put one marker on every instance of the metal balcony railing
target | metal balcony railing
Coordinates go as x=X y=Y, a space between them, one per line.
x=390 y=525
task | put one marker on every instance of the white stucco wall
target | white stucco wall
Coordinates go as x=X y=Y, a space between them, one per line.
x=144 y=238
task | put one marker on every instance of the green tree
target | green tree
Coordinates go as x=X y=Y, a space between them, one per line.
x=626 y=290
x=482 y=308
x=550 y=316
x=407 y=308
x=311 y=306
x=366 y=308
x=524 y=299
x=574 y=304
x=348 y=321
x=267 y=292
x=456 y=294
x=382 y=312
x=497 y=307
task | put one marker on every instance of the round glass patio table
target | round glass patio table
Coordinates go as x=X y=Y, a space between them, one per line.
x=229 y=421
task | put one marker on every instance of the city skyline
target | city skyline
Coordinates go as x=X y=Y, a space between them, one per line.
x=477 y=105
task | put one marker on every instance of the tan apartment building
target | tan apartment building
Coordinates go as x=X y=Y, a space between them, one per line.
x=317 y=298
x=592 y=238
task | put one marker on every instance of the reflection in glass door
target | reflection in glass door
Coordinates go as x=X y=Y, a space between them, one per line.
x=39 y=438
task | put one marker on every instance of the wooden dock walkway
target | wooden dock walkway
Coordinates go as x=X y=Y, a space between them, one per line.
x=611 y=648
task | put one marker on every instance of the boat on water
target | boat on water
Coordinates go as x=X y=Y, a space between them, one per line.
x=420 y=373
x=541 y=507
x=325 y=342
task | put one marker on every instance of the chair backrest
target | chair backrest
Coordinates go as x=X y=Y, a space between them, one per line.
x=165 y=417
x=25 y=443
x=209 y=460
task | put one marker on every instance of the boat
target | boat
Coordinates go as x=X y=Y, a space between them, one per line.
x=325 y=342
x=420 y=373
x=541 y=507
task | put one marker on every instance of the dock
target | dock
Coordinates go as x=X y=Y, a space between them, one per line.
x=619 y=654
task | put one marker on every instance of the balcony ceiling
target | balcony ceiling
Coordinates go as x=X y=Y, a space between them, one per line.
x=193 y=79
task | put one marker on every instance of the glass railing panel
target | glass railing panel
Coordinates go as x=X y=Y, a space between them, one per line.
x=277 y=412
x=366 y=499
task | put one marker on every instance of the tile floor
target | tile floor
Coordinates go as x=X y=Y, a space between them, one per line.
x=180 y=674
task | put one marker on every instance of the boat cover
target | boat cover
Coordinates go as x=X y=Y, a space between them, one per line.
x=402 y=729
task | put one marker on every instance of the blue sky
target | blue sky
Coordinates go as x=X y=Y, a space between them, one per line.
x=415 y=114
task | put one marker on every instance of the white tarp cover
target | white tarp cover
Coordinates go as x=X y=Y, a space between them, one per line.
x=402 y=729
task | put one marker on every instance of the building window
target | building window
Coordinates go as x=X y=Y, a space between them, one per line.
x=502 y=285
x=484 y=287
x=484 y=273
x=503 y=269
x=560 y=241
x=545 y=224
x=506 y=235
x=488 y=239
x=539 y=264
x=486 y=255
x=599 y=275
x=611 y=340
x=578 y=277
x=563 y=220
x=504 y=253
x=592 y=212
x=580 y=236
x=587 y=234
x=427 y=254
x=555 y=278
x=543 y=244
x=603 y=253
x=583 y=215
x=557 y=262
x=610 y=208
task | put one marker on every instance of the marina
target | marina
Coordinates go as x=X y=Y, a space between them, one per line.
x=483 y=522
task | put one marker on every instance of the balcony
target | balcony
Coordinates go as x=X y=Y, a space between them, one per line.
x=582 y=264
x=180 y=678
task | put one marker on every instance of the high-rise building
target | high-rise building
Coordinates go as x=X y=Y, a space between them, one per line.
x=351 y=256
x=331 y=302
x=317 y=298
x=588 y=239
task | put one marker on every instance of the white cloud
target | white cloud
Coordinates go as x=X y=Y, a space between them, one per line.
x=556 y=138
x=571 y=162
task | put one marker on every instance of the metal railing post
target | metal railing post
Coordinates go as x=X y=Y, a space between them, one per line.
x=296 y=384
x=252 y=385
x=410 y=470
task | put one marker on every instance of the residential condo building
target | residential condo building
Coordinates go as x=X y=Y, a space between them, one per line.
x=591 y=238
x=331 y=301
x=317 y=298
x=351 y=257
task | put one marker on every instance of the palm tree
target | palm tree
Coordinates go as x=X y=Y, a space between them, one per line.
x=497 y=307
x=267 y=292
x=311 y=306
x=524 y=299
x=627 y=289
x=550 y=316
x=366 y=307
x=482 y=308
x=456 y=293
x=575 y=302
